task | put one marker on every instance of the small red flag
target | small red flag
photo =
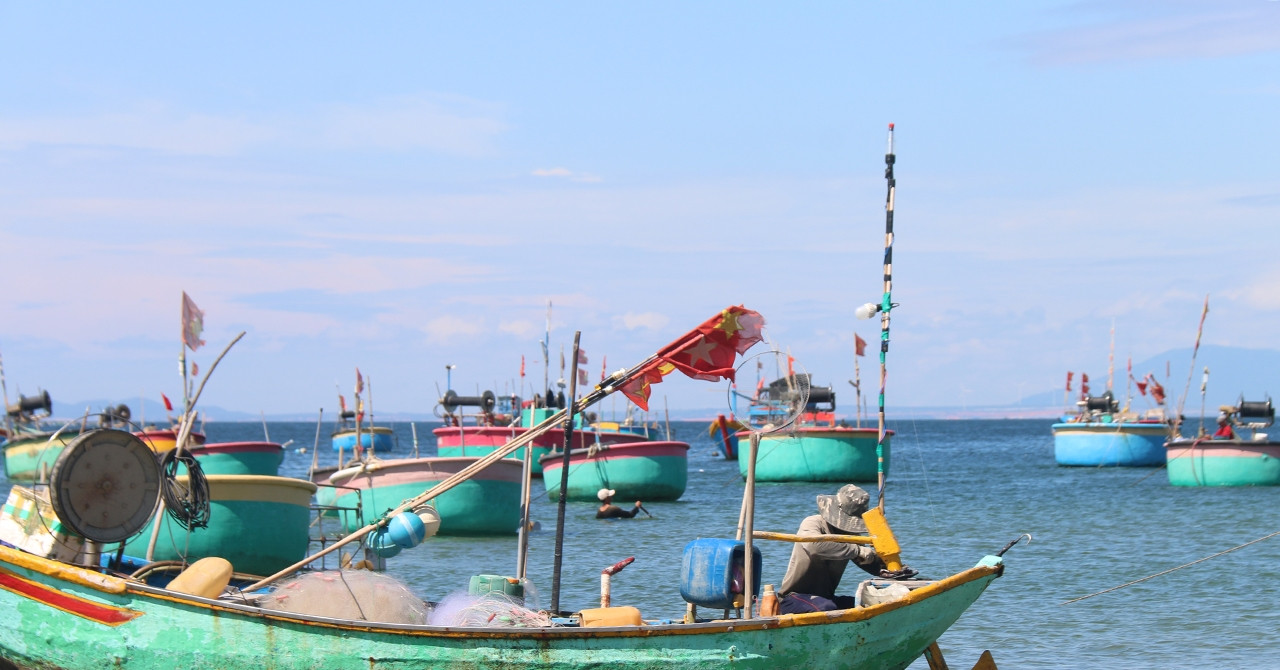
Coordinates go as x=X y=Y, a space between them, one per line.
x=603 y=365
x=582 y=357
x=195 y=369
x=582 y=377
x=791 y=371
x=859 y=346
x=168 y=406
x=1157 y=392
x=1069 y=376
x=342 y=402
x=1142 y=387
x=522 y=366
x=192 y=323
x=359 y=382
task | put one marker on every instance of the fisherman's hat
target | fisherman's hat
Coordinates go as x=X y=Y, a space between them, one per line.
x=844 y=509
x=605 y=494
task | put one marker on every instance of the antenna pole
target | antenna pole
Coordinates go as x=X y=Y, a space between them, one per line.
x=886 y=304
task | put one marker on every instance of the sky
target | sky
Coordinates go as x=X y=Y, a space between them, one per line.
x=398 y=187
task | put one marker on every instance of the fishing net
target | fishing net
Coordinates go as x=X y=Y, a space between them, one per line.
x=490 y=610
x=349 y=594
x=781 y=394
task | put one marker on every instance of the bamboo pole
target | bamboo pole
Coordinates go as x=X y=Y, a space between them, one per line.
x=564 y=477
x=749 y=503
x=315 y=447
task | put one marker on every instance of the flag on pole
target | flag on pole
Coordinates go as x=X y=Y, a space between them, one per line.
x=522 y=366
x=1084 y=384
x=582 y=357
x=359 y=382
x=791 y=365
x=192 y=323
x=195 y=369
x=168 y=406
x=1069 y=376
x=582 y=377
x=859 y=346
x=1157 y=392
x=603 y=365
x=342 y=403
x=706 y=352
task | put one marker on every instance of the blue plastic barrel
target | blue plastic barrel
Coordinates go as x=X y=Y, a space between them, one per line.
x=710 y=569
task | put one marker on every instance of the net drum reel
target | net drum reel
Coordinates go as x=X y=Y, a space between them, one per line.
x=27 y=406
x=451 y=401
x=1255 y=414
x=1105 y=403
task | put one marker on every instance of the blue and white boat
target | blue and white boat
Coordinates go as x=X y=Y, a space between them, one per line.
x=1103 y=434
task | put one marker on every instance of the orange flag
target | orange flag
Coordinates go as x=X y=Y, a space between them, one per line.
x=707 y=352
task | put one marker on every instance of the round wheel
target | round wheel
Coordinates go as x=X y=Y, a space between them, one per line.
x=105 y=485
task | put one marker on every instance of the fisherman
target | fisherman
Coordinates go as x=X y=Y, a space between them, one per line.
x=608 y=510
x=1224 y=431
x=815 y=569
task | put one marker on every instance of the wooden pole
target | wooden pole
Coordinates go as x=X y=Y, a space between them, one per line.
x=564 y=477
x=315 y=447
x=749 y=503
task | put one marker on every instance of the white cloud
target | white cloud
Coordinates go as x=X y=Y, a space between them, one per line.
x=150 y=127
x=520 y=328
x=447 y=329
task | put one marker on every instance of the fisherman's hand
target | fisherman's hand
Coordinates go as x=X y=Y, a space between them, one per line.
x=902 y=573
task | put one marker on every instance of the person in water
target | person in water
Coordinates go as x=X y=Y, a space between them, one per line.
x=608 y=510
x=815 y=569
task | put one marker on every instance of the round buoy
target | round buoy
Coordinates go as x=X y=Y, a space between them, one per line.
x=382 y=544
x=407 y=530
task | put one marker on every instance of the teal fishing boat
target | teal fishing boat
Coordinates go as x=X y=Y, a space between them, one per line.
x=486 y=504
x=813 y=446
x=656 y=470
x=1238 y=454
x=1102 y=434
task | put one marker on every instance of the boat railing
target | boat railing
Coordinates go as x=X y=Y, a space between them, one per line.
x=324 y=515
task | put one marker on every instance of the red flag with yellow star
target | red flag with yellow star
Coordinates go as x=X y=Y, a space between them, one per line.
x=706 y=352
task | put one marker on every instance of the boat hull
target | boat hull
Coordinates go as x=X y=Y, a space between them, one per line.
x=814 y=454
x=1223 y=463
x=655 y=471
x=66 y=617
x=260 y=524
x=1109 y=444
x=486 y=504
x=239 y=458
x=377 y=438
x=31 y=457
x=479 y=441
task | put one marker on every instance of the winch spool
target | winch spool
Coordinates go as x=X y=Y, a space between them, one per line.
x=452 y=401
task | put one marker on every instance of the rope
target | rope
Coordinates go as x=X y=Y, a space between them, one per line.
x=1116 y=588
x=187 y=505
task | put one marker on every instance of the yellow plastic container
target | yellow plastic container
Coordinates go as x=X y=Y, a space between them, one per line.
x=610 y=616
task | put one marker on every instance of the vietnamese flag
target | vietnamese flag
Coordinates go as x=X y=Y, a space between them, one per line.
x=168 y=406
x=707 y=352
x=859 y=346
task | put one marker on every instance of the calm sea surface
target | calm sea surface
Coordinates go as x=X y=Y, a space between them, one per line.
x=958 y=490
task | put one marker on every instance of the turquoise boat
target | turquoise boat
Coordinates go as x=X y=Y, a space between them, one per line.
x=30 y=455
x=646 y=471
x=1231 y=459
x=89 y=619
x=457 y=440
x=808 y=444
x=487 y=504
x=1101 y=434
x=817 y=454
x=258 y=523
x=379 y=439
x=239 y=458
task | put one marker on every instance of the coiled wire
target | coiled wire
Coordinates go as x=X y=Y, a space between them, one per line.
x=188 y=504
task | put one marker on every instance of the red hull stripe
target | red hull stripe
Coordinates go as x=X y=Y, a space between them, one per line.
x=104 y=614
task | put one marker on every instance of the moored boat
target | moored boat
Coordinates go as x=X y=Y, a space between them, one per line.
x=655 y=470
x=379 y=439
x=813 y=446
x=487 y=504
x=1101 y=434
x=1229 y=458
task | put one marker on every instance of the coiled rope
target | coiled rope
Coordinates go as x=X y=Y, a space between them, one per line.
x=187 y=504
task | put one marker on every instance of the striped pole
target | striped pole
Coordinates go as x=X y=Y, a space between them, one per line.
x=886 y=304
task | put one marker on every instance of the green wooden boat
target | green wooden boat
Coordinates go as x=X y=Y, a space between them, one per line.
x=637 y=471
x=818 y=454
x=62 y=616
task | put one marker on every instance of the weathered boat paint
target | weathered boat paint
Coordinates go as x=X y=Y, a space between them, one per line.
x=258 y=523
x=817 y=454
x=486 y=504
x=174 y=630
x=27 y=455
x=478 y=441
x=239 y=458
x=375 y=438
x=1205 y=462
x=1126 y=444
x=161 y=440
x=637 y=471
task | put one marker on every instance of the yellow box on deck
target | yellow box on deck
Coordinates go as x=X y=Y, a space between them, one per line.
x=610 y=616
x=28 y=523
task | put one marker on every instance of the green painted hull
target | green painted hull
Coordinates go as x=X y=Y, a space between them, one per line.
x=27 y=456
x=63 y=617
x=1223 y=463
x=486 y=504
x=480 y=451
x=657 y=471
x=259 y=524
x=816 y=455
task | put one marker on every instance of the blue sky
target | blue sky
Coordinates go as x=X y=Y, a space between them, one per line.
x=402 y=186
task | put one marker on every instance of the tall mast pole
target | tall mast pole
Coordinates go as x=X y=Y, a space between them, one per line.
x=886 y=304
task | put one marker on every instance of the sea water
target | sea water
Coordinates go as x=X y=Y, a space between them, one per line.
x=957 y=490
